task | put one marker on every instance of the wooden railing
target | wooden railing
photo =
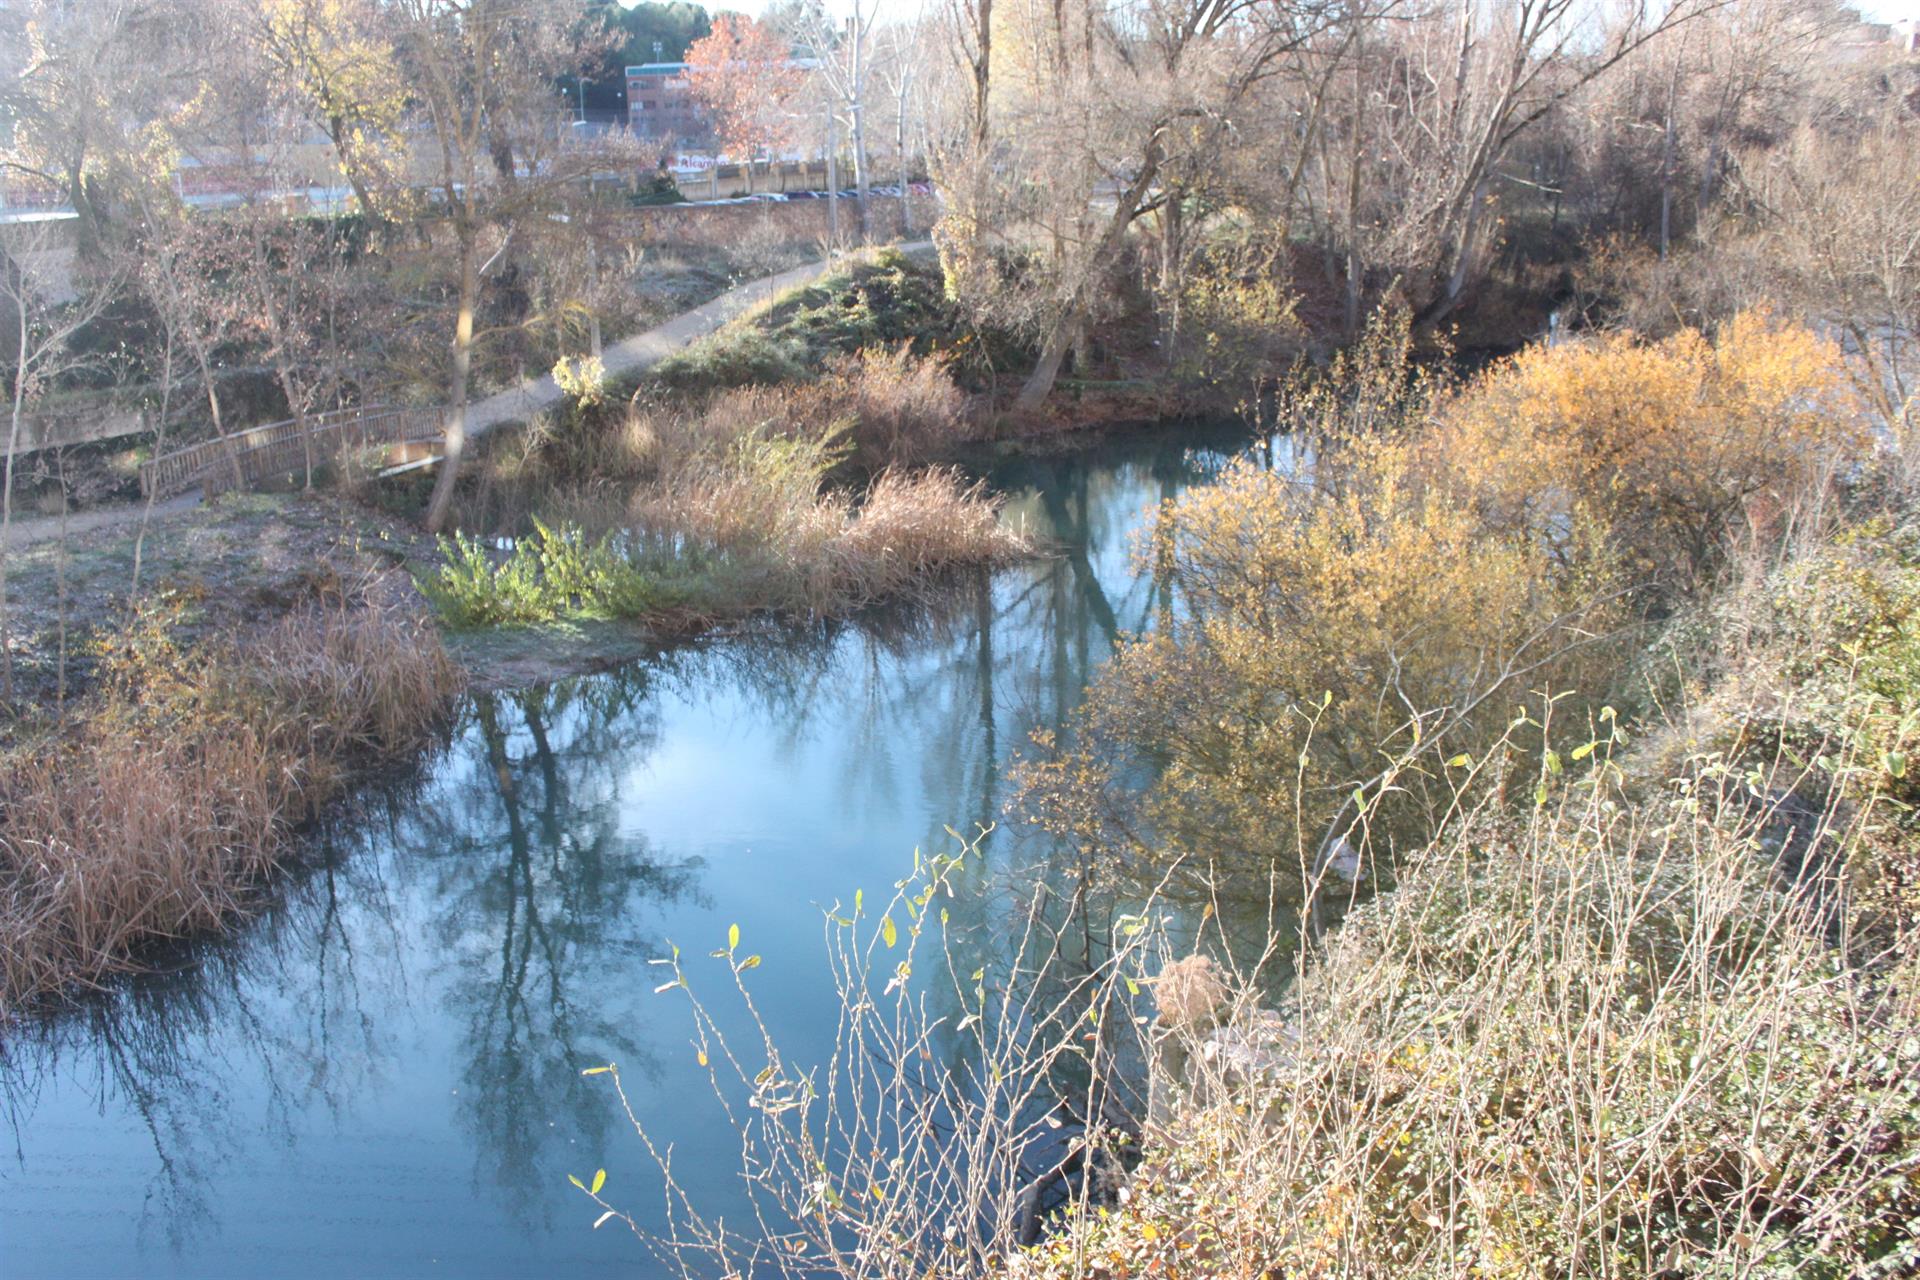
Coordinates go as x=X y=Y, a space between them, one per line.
x=279 y=449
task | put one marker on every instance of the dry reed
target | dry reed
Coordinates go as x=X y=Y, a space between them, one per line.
x=157 y=813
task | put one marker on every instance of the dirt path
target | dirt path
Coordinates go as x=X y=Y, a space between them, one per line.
x=27 y=532
x=642 y=351
x=634 y=354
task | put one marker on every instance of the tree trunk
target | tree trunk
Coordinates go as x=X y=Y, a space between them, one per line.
x=455 y=440
x=1666 y=166
x=906 y=169
x=1060 y=336
x=1354 y=271
x=1171 y=232
x=203 y=358
x=6 y=497
x=295 y=406
x=1053 y=354
x=337 y=129
x=833 y=186
x=159 y=444
x=1469 y=244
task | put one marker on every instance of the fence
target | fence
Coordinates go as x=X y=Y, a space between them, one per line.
x=784 y=222
x=245 y=458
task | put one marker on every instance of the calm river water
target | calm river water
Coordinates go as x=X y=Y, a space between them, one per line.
x=382 y=1076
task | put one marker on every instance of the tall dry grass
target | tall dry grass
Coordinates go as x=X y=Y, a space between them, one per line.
x=158 y=812
x=746 y=501
x=792 y=547
x=1599 y=1038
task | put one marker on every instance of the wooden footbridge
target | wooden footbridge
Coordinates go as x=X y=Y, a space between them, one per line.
x=291 y=450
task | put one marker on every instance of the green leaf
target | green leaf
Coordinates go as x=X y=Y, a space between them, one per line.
x=859 y=897
x=887 y=931
x=1583 y=751
x=1553 y=763
x=751 y=962
x=1540 y=794
x=1897 y=764
x=733 y=936
x=1359 y=799
x=1133 y=988
x=594 y=1071
x=599 y=1181
x=576 y=1182
x=1460 y=761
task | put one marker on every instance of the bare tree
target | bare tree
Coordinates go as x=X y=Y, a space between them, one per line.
x=479 y=73
x=43 y=351
x=333 y=59
x=901 y=67
x=90 y=98
x=842 y=53
x=1845 y=229
x=1113 y=93
x=962 y=158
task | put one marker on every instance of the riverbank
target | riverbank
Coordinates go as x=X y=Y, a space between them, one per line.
x=160 y=801
x=175 y=726
x=411 y=1008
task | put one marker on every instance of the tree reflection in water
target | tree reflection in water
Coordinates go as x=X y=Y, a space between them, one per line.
x=452 y=956
x=541 y=897
x=511 y=858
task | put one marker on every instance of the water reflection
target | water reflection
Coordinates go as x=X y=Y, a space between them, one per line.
x=384 y=1070
x=538 y=893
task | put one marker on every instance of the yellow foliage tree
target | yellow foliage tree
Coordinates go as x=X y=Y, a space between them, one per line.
x=1352 y=640
x=1668 y=445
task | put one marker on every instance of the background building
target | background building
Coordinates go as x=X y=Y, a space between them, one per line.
x=660 y=102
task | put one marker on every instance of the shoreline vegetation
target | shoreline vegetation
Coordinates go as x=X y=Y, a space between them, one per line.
x=178 y=748
x=1545 y=717
x=1600 y=919
x=160 y=807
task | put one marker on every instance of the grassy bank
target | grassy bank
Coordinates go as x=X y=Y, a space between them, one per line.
x=1620 y=654
x=156 y=807
x=783 y=467
x=1656 y=1019
x=896 y=303
x=167 y=742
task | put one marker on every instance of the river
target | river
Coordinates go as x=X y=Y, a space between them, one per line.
x=381 y=1074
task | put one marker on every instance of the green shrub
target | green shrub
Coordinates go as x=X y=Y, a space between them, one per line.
x=888 y=301
x=470 y=590
x=734 y=357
